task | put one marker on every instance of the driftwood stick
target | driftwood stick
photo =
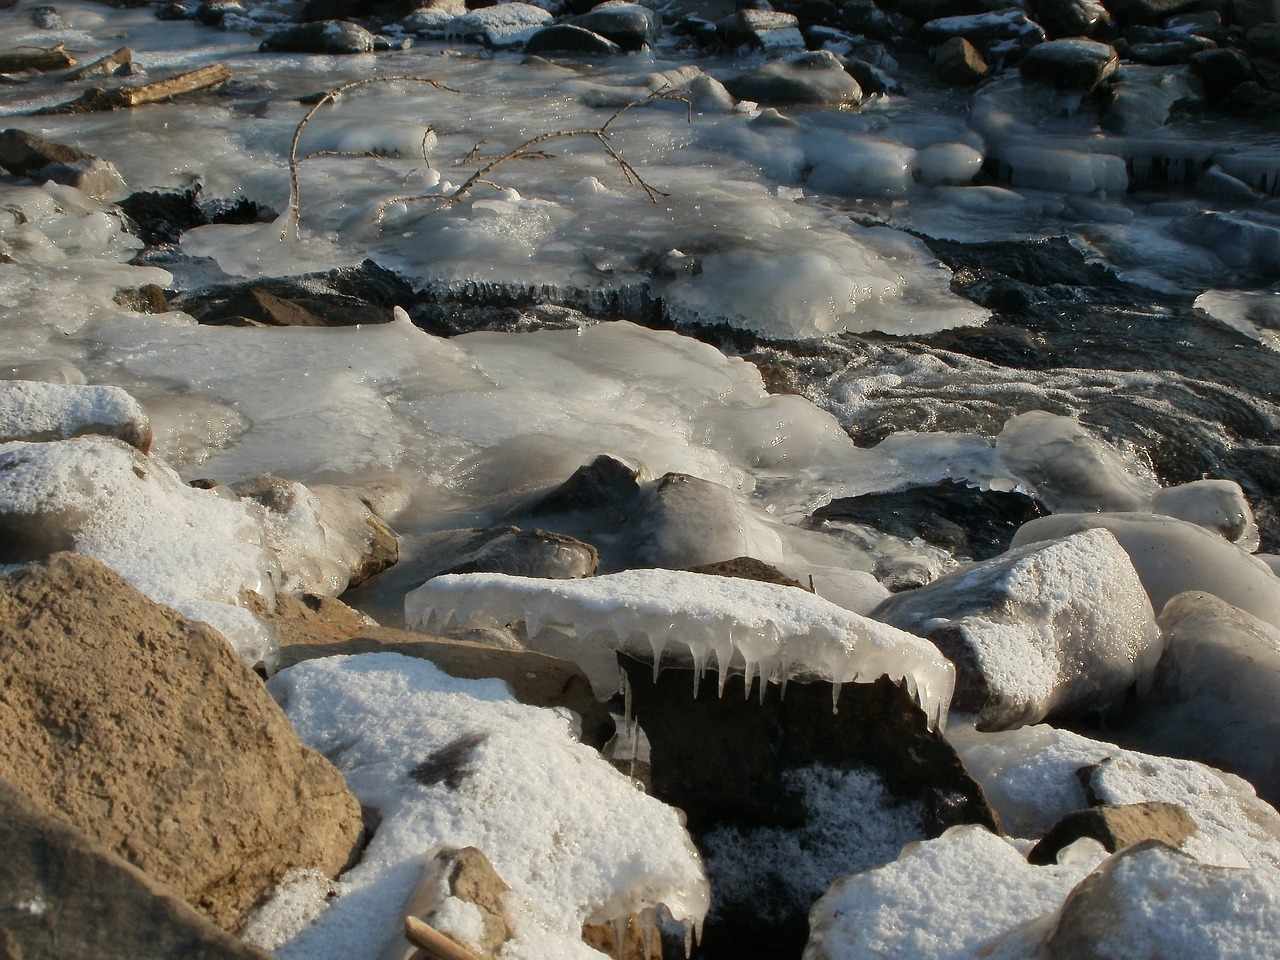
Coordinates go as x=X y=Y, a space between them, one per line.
x=17 y=60
x=433 y=943
x=121 y=97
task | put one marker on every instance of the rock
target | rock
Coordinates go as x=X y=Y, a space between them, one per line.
x=958 y=61
x=606 y=485
x=1025 y=650
x=969 y=522
x=503 y=26
x=1249 y=13
x=66 y=897
x=1221 y=71
x=567 y=38
x=1168 y=52
x=317 y=627
x=638 y=942
x=1149 y=900
x=1000 y=32
x=1072 y=18
x=27 y=155
x=769 y=30
x=322 y=36
x=1217 y=505
x=760 y=765
x=1145 y=97
x=747 y=568
x=1264 y=39
x=1252 y=95
x=166 y=749
x=1146 y=11
x=816 y=77
x=629 y=25
x=343 y=297
x=1116 y=827
x=462 y=875
x=1075 y=64
x=36 y=411
x=526 y=553
x=326 y=537
x=160 y=218
x=683 y=521
x=212 y=13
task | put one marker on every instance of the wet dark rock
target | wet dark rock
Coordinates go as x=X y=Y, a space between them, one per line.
x=1146 y=11
x=958 y=61
x=986 y=30
x=322 y=36
x=865 y=18
x=1221 y=70
x=767 y=29
x=1145 y=98
x=970 y=523
x=28 y=155
x=1075 y=63
x=1072 y=18
x=566 y=38
x=213 y=12
x=605 y=485
x=737 y=775
x=1264 y=40
x=816 y=77
x=629 y=25
x=161 y=218
x=1204 y=23
x=376 y=11
x=524 y=553
x=1116 y=826
x=176 y=10
x=1239 y=241
x=1249 y=13
x=343 y=297
x=1168 y=52
x=1252 y=95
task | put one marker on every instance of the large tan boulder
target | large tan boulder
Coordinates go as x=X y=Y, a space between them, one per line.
x=68 y=898
x=147 y=732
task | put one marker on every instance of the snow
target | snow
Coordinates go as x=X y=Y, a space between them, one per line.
x=50 y=411
x=576 y=841
x=759 y=629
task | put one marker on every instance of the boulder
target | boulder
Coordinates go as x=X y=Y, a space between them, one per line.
x=1116 y=826
x=1072 y=18
x=67 y=898
x=1077 y=63
x=320 y=627
x=322 y=36
x=1000 y=31
x=567 y=38
x=1060 y=629
x=1221 y=71
x=27 y=155
x=958 y=61
x=1145 y=97
x=769 y=30
x=37 y=411
x=605 y=486
x=630 y=25
x=814 y=77
x=1178 y=49
x=1146 y=11
x=146 y=731
x=523 y=553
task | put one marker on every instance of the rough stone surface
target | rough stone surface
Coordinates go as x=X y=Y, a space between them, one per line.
x=1075 y=63
x=28 y=155
x=65 y=897
x=1116 y=827
x=317 y=627
x=146 y=731
x=958 y=61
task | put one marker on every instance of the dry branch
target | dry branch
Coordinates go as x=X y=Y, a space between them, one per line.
x=434 y=944
x=121 y=97
x=294 y=214
x=19 y=59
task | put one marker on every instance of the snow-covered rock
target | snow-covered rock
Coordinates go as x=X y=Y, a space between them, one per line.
x=1173 y=556
x=1054 y=628
x=776 y=632
x=455 y=763
x=1217 y=505
x=31 y=410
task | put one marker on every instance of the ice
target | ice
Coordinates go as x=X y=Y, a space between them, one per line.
x=1255 y=313
x=1217 y=505
x=943 y=899
x=781 y=632
x=49 y=411
x=1174 y=556
x=573 y=837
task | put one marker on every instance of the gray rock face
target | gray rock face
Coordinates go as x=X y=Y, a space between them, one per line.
x=816 y=77
x=1076 y=63
x=1024 y=651
x=145 y=730
x=67 y=898
x=321 y=36
x=27 y=155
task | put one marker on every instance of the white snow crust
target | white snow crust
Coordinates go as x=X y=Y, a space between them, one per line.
x=53 y=411
x=757 y=629
x=575 y=839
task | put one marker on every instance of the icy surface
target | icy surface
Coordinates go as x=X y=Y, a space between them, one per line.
x=729 y=625
x=573 y=837
x=943 y=899
x=1173 y=556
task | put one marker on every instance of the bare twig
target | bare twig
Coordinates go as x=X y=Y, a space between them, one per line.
x=436 y=945
x=294 y=212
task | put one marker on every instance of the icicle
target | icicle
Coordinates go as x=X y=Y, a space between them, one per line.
x=836 y=688
x=657 y=646
x=532 y=623
x=624 y=686
x=699 y=668
x=688 y=937
x=635 y=748
x=748 y=675
x=648 y=922
x=619 y=937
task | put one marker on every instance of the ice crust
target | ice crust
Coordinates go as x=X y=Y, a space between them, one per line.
x=706 y=622
x=575 y=839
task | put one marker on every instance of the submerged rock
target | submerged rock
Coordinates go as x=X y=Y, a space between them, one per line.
x=165 y=748
x=66 y=896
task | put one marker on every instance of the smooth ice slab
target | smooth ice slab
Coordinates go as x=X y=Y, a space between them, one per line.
x=778 y=632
